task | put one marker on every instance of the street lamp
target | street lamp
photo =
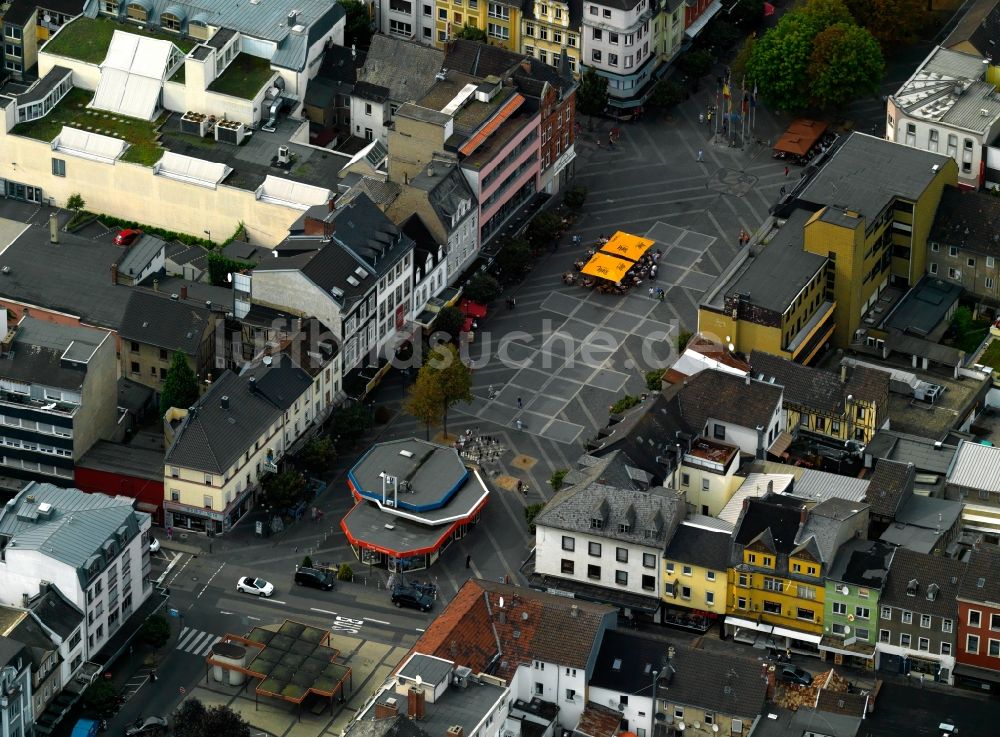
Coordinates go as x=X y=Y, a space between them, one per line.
x=652 y=712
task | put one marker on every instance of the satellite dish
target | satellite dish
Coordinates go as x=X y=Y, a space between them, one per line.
x=732 y=347
x=728 y=339
x=229 y=277
x=715 y=727
x=845 y=591
x=420 y=681
x=847 y=630
x=501 y=602
x=681 y=726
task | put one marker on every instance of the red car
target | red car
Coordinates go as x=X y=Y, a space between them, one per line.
x=127 y=236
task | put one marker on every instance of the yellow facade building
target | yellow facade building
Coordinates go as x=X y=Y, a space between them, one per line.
x=860 y=225
x=781 y=554
x=501 y=21
x=708 y=475
x=694 y=571
x=551 y=30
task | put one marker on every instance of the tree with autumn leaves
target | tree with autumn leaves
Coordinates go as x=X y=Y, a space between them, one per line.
x=442 y=382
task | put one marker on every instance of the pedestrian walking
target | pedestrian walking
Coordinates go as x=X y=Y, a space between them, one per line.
x=520 y=425
x=652 y=292
x=786 y=171
x=170 y=533
x=513 y=303
x=701 y=117
x=468 y=561
x=662 y=295
x=520 y=404
x=701 y=155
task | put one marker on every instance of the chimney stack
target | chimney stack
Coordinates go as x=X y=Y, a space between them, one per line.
x=415 y=703
x=386 y=710
x=455 y=730
x=843 y=373
x=53 y=228
x=114 y=273
x=225 y=402
x=803 y=515
x=156 y=283
x=184 y=292
x=761 y=452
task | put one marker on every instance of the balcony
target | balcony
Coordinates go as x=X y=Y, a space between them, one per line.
x=22 y=400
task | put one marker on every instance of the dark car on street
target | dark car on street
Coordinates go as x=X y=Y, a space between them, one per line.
x=796 y=675
x=147 y=726
x=411 y=597
x=314 y=578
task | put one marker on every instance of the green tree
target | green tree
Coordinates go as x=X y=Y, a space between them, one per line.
x=513 y=261
x=683 y=338
x=482 y=288
x=575 y=198
x=696 y=64
x=654 y=379
x=846 y=62
x=220 y=267
x=222 y=721
x=283 y=490
x=357 y=24
x=530 y=512
x=450 y=321
x=350 y=423
x=592 y=94
x=738 y=69
x=453 y=376
x=155 y=631
x=825 y=13
x=747 y=13
x=307 y=562
x=471 y=33
x=345 y=572
x=666 y=94
x=779 y=61
x=893 y=23
x=543 y=229
x=556 y=480
x=317 y=454
x=424 y=399
x=189 y=718
x=100 y=697
x=76 y=202
x=180 y=387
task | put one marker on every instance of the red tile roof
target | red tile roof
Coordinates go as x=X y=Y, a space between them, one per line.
x=505 y=111
x=475 y=631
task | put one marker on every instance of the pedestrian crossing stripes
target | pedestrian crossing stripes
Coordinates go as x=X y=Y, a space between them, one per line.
x=196 y=642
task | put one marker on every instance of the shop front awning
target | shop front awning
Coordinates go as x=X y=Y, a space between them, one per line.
x=800 y=136
x=627 y=246
x=695 y=28
x=838 y=645
x=982 y=674
x=606 y=266
x=749 y=624
x=796 y=635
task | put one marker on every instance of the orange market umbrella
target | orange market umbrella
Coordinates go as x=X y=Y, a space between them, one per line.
x=605 y=266
x=626 y=245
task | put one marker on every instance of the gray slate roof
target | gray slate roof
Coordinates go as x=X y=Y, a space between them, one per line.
x=700 y=547
x=970 y=220
x=944 y=573
x=177 y=325
x=140 y=254
x=38 y=349
x=982 y=582
x=805 y=386
x=650 y=515
x=734 y=399
x=862 y=563
x=866 y=173
x=57 y=612
x=715 y=682
x=76 y=528
x=405 y=68
x=212 y=438
x=889 y=486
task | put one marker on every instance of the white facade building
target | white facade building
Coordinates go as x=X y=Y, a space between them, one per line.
x=17 y=713
x=604 y=541
x=948 y=107
x=616 y=42
x=94 y=548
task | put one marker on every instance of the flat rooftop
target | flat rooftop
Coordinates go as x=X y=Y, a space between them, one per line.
x=924 y=307
x=127 y=460
x=714 y=451
x=866 y=173
x=81 y=286
x=778 y=272
x=428 y=475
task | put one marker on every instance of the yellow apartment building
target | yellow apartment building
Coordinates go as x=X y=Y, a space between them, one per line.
x=501 y=21
x=867 y=215
x=781 y=553
x=707 y=476
x=550 y=30
x=694 y=570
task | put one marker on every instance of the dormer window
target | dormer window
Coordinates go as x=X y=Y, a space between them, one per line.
x=911 y=587
x=596 y=523
x=624 y=529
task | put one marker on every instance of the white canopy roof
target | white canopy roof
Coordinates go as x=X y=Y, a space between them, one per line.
x=88 y=145
x=292 y=194
x=190 y=169
x=132 y=74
